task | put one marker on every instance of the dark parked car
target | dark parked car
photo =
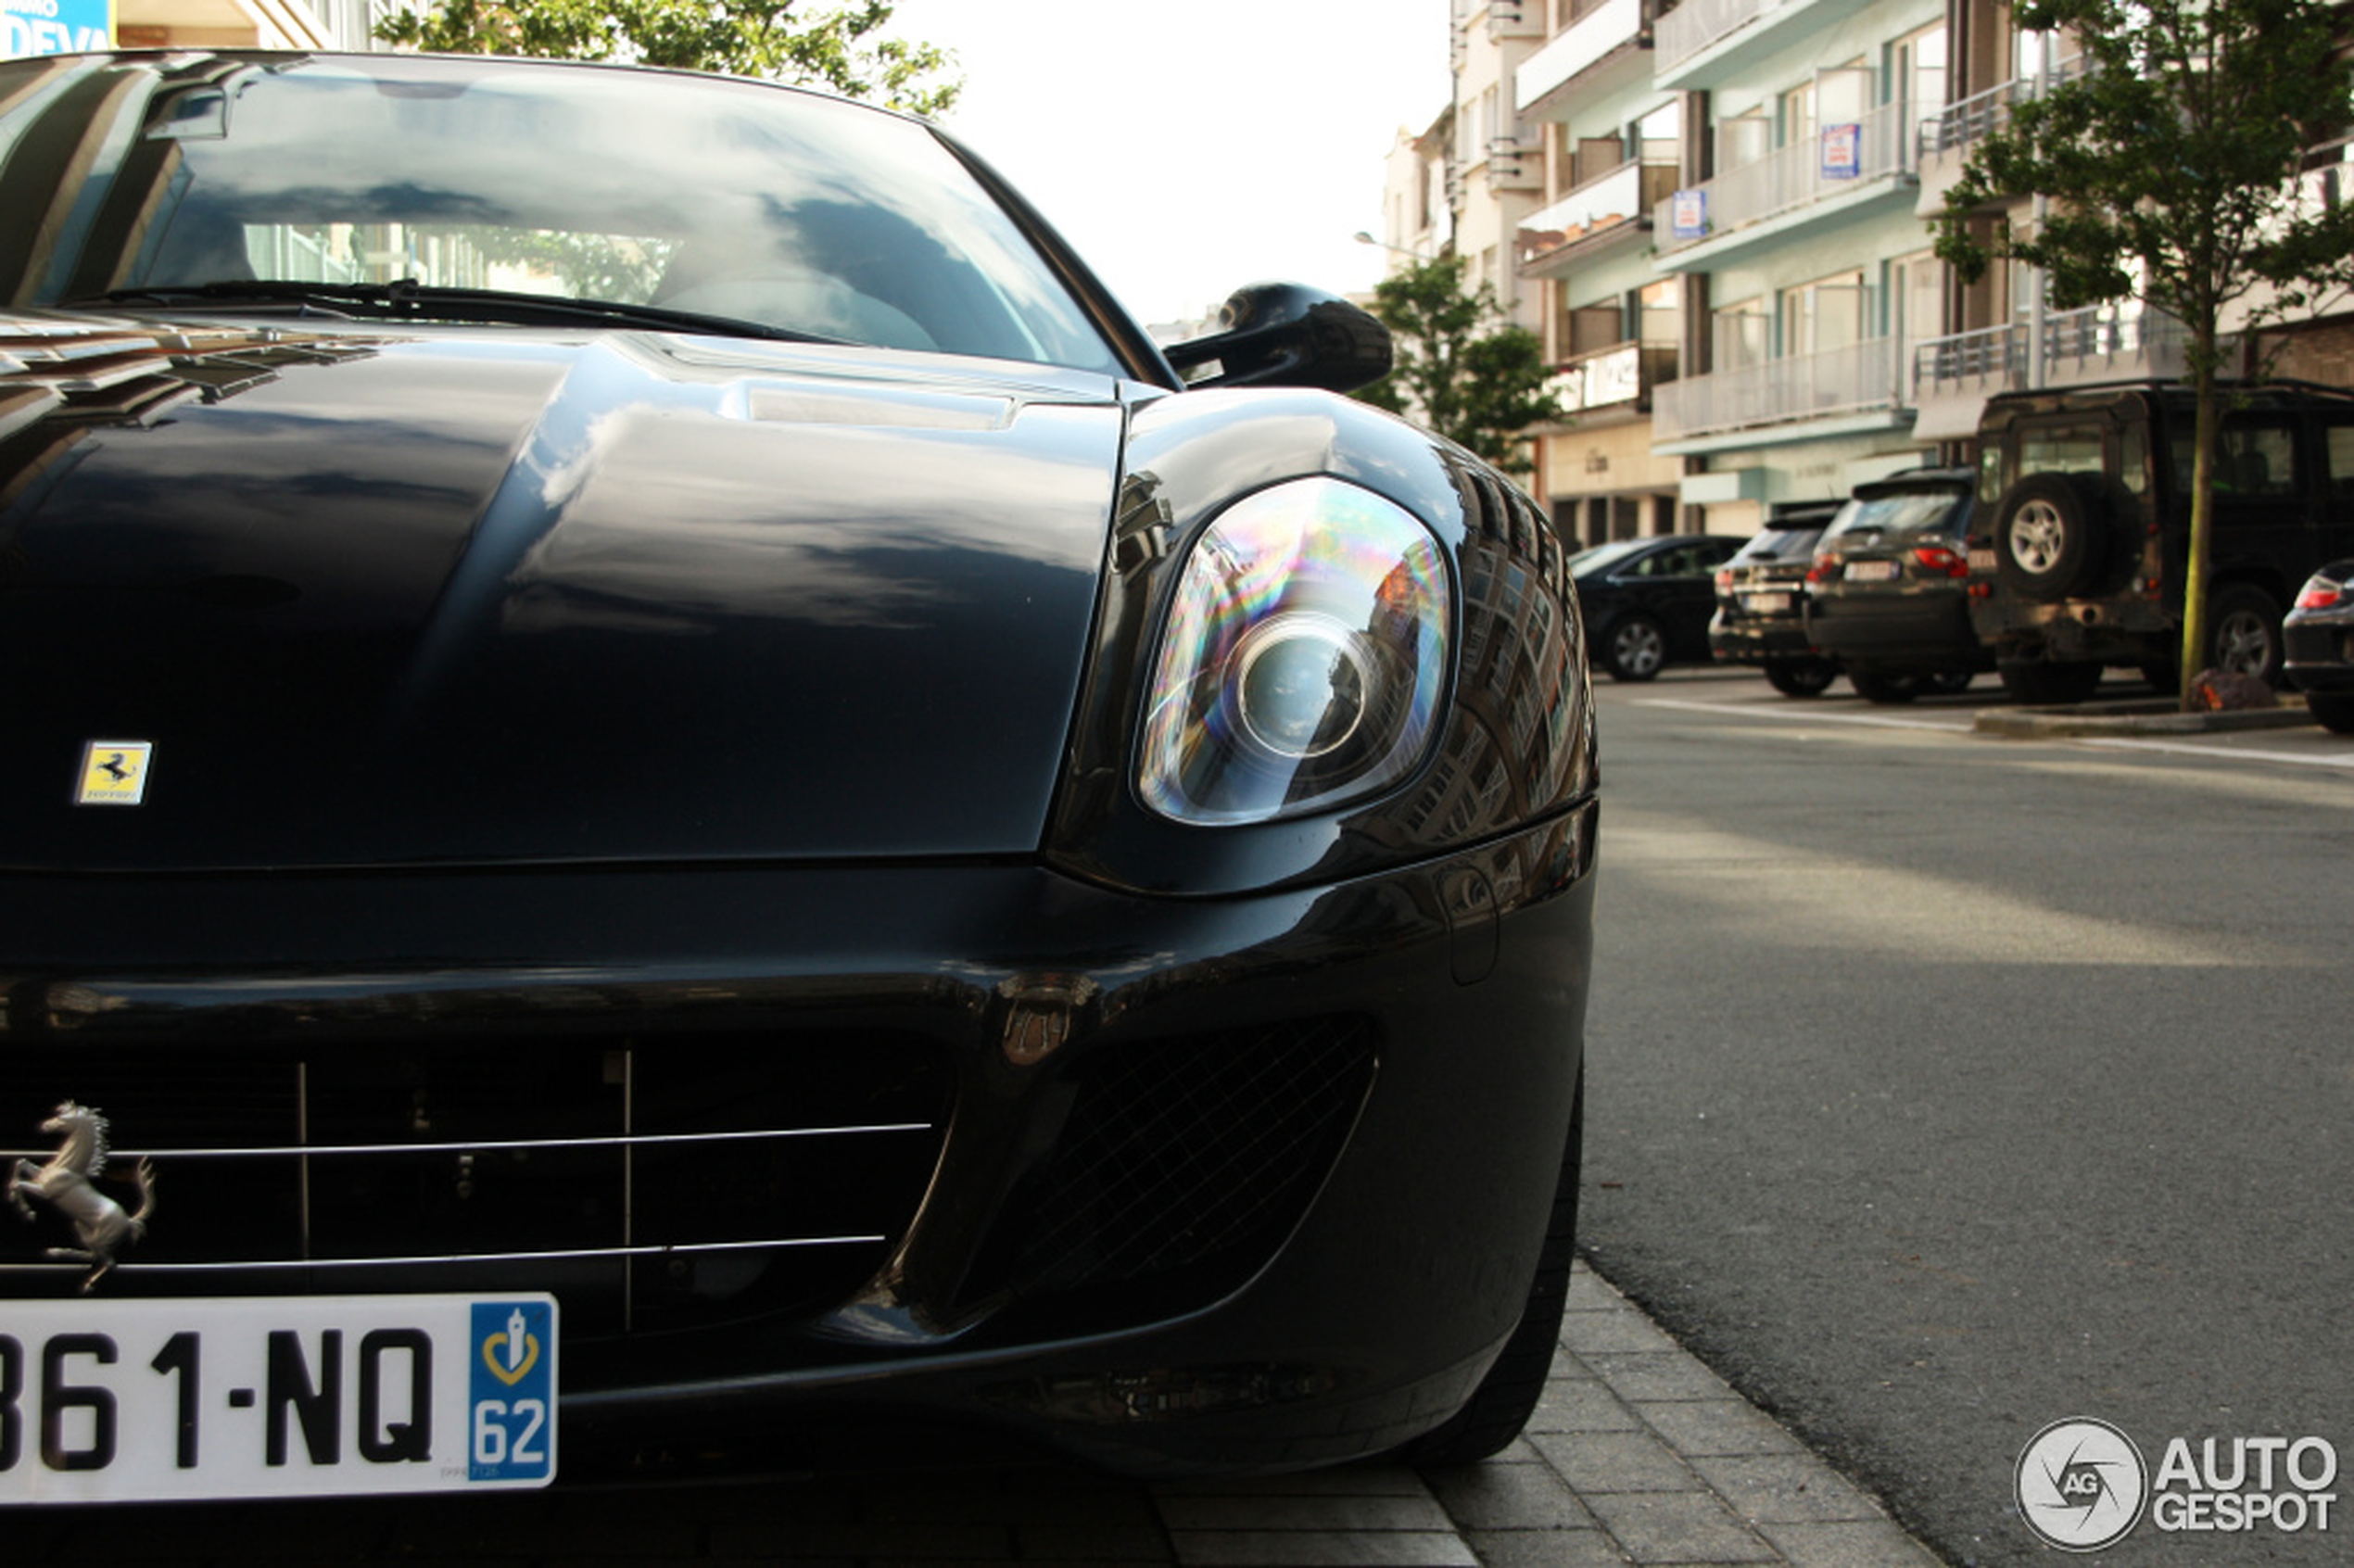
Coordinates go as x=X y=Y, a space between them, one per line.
x=1761 y=604
x=1889 y=588
x=2083 y=525
x=664 y=787
x=2318 y=638
x=1646 y=602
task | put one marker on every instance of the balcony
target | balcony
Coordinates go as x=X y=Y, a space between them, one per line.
x=1826 y=175
x=1700 y=42
x=1589 y=56
x=1619 y=377
x=1945 y=137
x=1860 y=386
x=1594 y=220
x=1953 y=376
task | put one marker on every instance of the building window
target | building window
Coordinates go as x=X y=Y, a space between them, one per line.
x=1738 y=333
x=1824 y=315
x=1916 y=73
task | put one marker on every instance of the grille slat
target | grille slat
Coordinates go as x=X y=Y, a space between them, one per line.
x=704 y=1180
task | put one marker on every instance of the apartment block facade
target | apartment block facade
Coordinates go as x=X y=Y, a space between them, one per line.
x=1728 y=248
x=46 y=27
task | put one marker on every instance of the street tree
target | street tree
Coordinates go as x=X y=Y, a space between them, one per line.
x=844 y=50
x=2172 y=166
x=1462 y=370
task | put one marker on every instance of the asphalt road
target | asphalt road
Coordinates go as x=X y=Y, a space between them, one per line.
x=1941 y=1087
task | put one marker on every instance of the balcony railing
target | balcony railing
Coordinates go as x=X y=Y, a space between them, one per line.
x=2076 y=342
x=1842 y=158
x=1621 y=199
x=1859 y=378
x=1961 y=123
x=1695 y=25
x=1621 y=374
x=1580 y=47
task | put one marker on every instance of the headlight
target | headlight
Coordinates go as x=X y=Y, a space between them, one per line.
x=1303 y=659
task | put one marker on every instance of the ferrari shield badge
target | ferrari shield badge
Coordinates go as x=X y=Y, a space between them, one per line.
x=114 y=773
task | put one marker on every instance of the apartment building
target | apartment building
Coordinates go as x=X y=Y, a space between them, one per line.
x=55 y=27
x=1729 y=253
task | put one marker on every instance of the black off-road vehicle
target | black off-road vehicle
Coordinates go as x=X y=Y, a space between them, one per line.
x=2083 y=529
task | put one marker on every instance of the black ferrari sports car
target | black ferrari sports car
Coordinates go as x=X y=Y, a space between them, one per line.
x=666 y=788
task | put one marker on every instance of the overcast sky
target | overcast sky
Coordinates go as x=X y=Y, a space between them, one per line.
x=1187 y=148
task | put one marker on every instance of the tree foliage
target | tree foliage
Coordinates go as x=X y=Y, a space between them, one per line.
x=1462 y=370
x=2172 y=166
x=843 y=49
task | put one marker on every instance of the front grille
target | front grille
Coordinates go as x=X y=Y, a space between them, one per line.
x=670 y=1183
x=1185 y=1163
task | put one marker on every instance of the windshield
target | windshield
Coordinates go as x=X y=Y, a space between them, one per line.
x=1779 y=544
x=1903 y=514
x=1602 y=557
x=785 y=210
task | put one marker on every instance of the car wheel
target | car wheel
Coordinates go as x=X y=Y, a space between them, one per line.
x=1949 y=683
x=2334 y=711
x=1876 y=685
x=1499 y=1407
x=2243 y=632
x=1801 y=677
x=2042 y=684
x=2047 y=535
x=1636 y=649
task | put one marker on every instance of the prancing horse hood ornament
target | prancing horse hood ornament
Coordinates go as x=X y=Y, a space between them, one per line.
x=65 y=1183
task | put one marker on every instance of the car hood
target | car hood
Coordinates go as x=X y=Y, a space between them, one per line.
x=437 y=598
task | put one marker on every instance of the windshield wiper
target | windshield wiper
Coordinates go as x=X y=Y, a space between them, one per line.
x=407 y=299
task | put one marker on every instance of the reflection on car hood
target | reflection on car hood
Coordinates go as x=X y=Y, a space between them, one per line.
x=377 y=599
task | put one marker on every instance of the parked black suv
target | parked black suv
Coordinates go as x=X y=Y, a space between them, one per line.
x=1760 y=602
x=1889 y=590
x=2083 y=499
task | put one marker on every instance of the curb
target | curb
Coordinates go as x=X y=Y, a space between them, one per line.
x=2135 y=718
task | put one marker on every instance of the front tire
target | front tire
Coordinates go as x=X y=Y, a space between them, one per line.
x=2243 y=632
x=1636 y=649
x=1501 y=1405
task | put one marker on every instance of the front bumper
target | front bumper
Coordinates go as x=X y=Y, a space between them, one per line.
x=1104 y=1242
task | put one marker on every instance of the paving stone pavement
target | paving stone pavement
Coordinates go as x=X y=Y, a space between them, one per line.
x=1637 y=1454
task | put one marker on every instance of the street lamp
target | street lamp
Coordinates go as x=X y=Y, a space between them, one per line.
x=1362 y=237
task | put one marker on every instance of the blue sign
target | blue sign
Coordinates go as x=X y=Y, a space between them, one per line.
x=1842 y=151
x=55 y=27
x=1688 y=215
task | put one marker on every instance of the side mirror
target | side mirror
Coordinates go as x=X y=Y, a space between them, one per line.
x=1286 y=335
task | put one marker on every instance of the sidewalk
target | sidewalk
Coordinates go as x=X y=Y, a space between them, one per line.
x=1638 y=1454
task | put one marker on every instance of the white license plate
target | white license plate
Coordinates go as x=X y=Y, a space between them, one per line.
x=262 y=1397
x=1871 y=571
x=1983 y=560
x=1766 y=603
